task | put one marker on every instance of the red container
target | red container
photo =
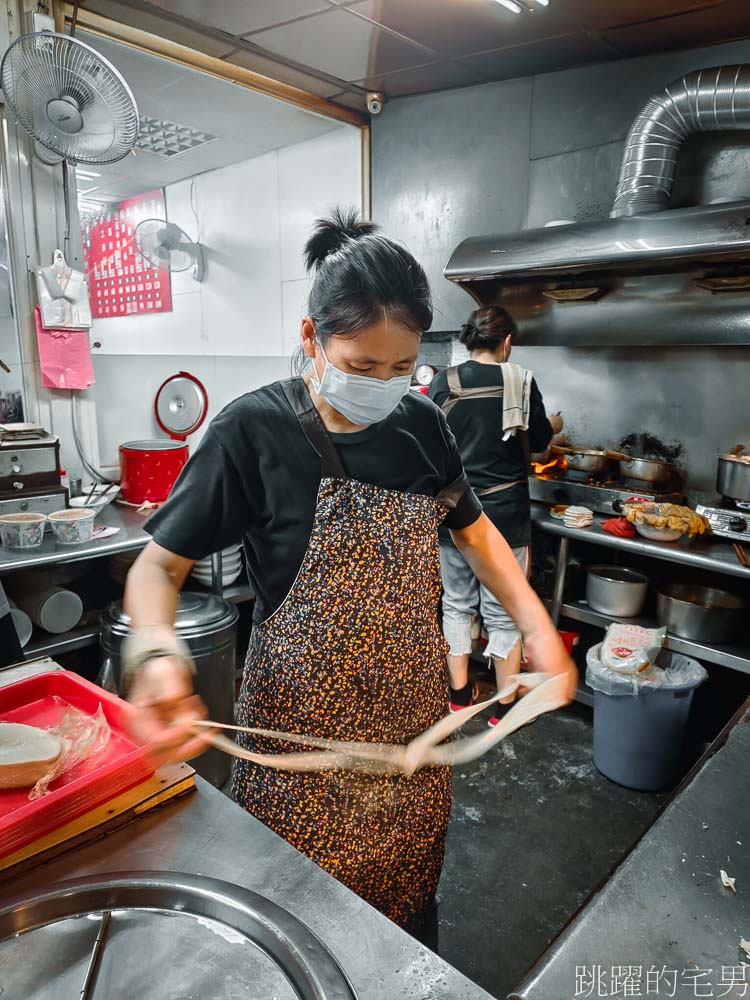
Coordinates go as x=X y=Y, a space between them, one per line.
x=149 y=469
x=120 y=766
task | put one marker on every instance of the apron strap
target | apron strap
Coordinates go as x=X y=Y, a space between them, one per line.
x=456 y=391
x=314 y=430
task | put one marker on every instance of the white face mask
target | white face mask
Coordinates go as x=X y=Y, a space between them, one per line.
x=360 y=398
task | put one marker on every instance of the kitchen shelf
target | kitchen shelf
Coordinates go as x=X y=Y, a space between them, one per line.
x=66 y=642
x=734 y=657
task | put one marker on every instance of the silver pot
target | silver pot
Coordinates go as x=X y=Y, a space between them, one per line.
x=589 y=460
x=646 y=470
x=733 y=477
x=616 y=591
x=703 y=614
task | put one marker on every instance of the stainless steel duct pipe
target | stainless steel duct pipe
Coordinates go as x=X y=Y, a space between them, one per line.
x=707 y=100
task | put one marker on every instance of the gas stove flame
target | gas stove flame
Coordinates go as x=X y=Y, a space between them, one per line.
x=557 y=462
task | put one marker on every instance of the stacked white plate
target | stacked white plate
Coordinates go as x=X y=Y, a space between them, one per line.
x=231 y=567
x=578 y=517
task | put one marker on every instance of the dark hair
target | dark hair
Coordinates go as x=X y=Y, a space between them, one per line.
x=358 y=271
x=487 y=328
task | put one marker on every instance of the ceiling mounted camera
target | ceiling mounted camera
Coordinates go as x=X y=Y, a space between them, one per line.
x=375 y=103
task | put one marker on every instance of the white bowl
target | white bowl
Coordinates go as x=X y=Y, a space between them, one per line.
x=97 y=502
x=659 y=534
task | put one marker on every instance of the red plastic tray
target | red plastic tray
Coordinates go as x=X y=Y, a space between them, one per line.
x=121 y=765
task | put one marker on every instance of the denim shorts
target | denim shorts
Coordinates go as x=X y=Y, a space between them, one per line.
x=464 y=597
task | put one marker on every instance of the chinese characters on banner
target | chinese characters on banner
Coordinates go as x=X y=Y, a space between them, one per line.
x=641 y=981
x=121 y=282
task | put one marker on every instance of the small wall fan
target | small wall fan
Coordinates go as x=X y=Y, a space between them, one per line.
x=164 y=245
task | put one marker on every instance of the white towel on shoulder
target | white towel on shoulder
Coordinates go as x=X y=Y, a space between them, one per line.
x=516 y=398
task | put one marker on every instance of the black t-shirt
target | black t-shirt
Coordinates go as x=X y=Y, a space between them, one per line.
x=255 y=477
x=488 y=460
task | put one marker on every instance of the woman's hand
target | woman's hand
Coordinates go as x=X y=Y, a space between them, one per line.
x=546 y=653
x=163 y=704
x=556 y=422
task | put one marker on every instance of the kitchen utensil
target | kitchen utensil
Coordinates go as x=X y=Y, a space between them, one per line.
x=95 y=956
x=90 y=494
x=659 y=534
x=22 y=531
x=703 y=614
x=22 y=624
x=616 y=591
x=647 y=470
x=590 y=460
x=99 y=501
x=733 y=477
x=73 y=527
x=149 y=469
x=52 y=608
x=740 y=553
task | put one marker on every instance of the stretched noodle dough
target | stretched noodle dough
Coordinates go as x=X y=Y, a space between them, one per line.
x=547 y=692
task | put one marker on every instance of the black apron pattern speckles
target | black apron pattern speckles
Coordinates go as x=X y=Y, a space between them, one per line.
x=355 y=653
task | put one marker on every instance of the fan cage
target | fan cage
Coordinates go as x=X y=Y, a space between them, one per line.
x=44 y=66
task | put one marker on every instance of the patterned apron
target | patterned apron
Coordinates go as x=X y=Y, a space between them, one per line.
x=355 y=653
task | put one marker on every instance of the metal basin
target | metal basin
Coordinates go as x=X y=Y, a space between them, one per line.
x=170 y=935
x=703 y=614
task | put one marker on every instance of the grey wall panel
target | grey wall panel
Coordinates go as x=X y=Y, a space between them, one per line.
x=579 y=185
x=481 y=159
x=447 y=166
x=593 y=105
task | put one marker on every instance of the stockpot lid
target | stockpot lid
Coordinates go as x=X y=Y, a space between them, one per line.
x=198 y=615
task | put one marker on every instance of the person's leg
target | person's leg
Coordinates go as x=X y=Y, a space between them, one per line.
x=504 y=647
x=460 y=603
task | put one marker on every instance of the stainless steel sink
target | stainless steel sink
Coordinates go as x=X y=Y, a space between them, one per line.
x=168 y=936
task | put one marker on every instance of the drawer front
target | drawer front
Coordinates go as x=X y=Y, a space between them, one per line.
x=27 y=462
x=34 y=505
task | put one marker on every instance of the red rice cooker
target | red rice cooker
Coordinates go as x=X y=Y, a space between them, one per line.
x=149 y=469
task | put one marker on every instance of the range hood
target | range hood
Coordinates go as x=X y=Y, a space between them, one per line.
x=648 y=275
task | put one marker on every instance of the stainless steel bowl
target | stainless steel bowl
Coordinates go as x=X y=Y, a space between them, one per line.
x=703 y=614
x=590 y=460
x=616 y=591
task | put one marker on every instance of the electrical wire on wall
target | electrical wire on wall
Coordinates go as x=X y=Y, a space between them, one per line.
x=88 y=466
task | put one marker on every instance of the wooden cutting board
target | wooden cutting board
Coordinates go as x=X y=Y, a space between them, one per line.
x=167 y=783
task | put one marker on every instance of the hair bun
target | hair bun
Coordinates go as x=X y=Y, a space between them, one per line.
x=331 y=234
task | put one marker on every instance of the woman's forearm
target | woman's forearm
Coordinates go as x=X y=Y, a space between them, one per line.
x=153 y=587
x=493 y=563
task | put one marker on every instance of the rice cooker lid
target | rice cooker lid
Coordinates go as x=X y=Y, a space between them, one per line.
x=181 y=405
x=197 y=615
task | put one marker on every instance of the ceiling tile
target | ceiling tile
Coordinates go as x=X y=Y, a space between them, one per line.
x=277 y=71
x=538 y=57
x=703 y=27
x=458 y=28
x=596 y=14
x=343 y=45
x=154 y=23
x=240 y=16
x=423 y=79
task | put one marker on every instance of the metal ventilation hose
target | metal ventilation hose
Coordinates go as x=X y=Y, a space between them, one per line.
x=707 y=100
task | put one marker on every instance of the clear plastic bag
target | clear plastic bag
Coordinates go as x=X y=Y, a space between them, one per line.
x=671 y=670
x=82 y=736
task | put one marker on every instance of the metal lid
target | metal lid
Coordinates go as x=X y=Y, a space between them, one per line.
x=181 y=405
x=197 y=615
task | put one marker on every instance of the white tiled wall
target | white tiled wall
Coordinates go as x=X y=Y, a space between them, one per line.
x=237 y=329
x=252 y=220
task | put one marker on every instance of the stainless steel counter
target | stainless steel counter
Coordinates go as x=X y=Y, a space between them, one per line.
x=665 y=907
x=208 y=834
x=703 y=553
x=130 y=536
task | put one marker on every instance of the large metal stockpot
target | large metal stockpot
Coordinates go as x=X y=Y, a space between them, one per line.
x=733 y=477
x=703 y=614
x=208 y=625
